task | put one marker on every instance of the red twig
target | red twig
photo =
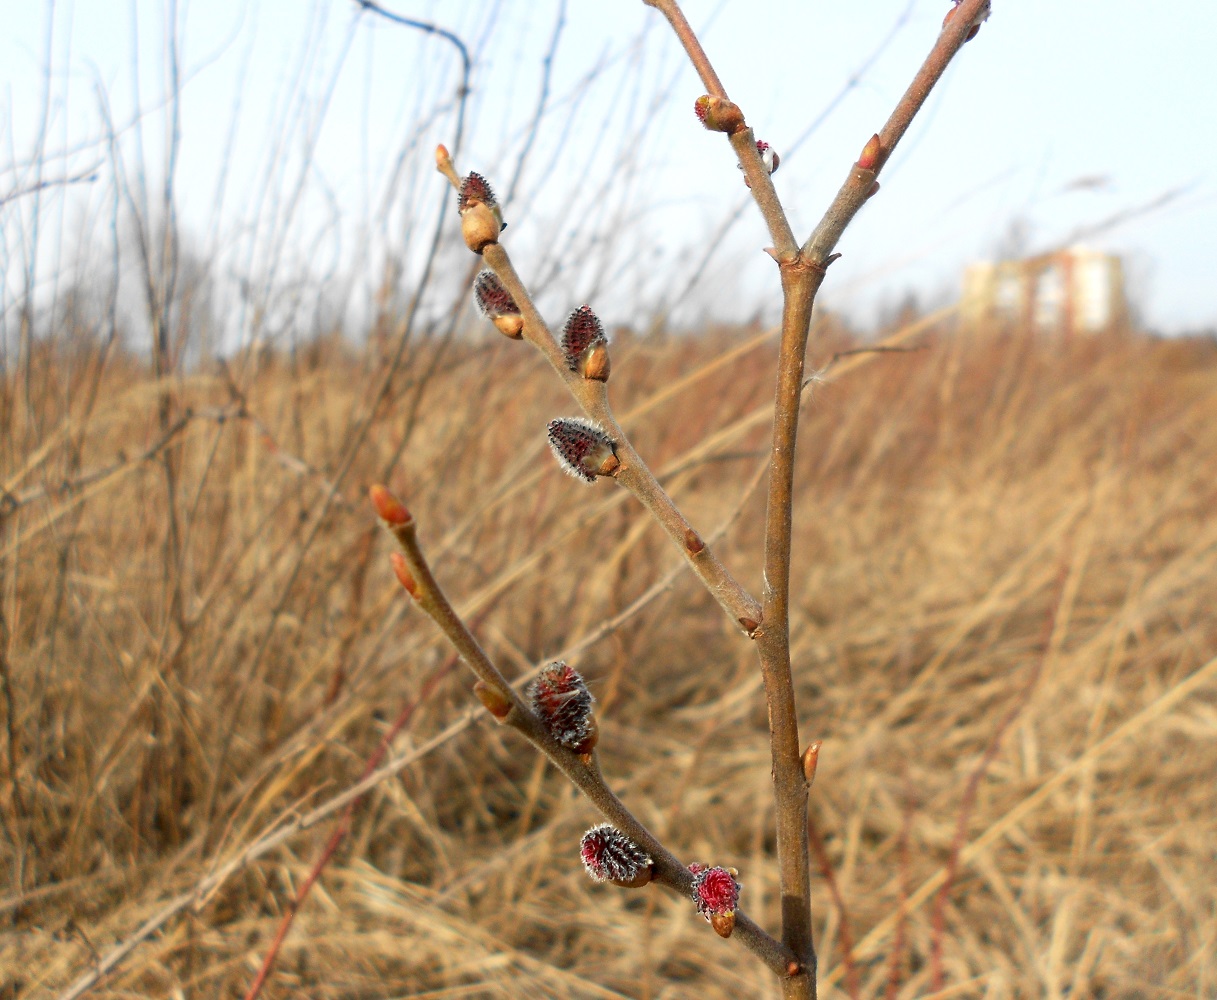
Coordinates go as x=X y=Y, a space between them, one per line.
x=845 y=931
x=900 y=937
x=344 y=825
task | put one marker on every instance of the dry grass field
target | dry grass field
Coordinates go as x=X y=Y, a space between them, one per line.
x=1004 y=633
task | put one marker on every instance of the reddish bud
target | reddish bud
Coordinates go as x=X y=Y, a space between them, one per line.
x=811 y=760
x=494 y=700
x=976 y=23
x=582 y=448
x=693 y=542
x=496 y=304
x=403 y=574
x=715 y=890
x=748 y=625
x=388 y=507
x=870 y=153
x=718 y=114
x=564 y=705
x=610 y=856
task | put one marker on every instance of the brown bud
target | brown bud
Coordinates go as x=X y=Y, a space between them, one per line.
x=496 y=703
x=811 y=759
x=723 y=923
x=874 y=190
x=591 y=737
x=693 y=542
x=645 y=877
x=403 y=574
x=596 y=363
x=480 y=226
x=511 y=325
x=749 y=626
x=870 y=153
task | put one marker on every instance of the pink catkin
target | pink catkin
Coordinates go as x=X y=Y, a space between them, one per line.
x=714 y=890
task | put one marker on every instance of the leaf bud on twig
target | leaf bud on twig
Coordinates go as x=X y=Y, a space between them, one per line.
x=388 y=508
x=564 y=705
x=811 y=760
x=610 y=856
x=582 y=337
x=494 y=701
x=403 y=574
x=718 y=114
x=496 y=304
x=870 y=153
x=582 y=448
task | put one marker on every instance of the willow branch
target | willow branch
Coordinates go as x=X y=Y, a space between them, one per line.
x=633 y=474
x=512 y=710
x=859 y=185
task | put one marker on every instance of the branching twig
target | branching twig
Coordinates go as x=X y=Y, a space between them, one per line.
x=802 y=273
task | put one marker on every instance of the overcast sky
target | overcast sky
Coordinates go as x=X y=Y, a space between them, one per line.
x=1077 y=119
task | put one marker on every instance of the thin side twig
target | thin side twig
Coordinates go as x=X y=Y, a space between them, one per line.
x=581 y=769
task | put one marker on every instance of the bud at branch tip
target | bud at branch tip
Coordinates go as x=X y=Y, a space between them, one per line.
x=388 y=508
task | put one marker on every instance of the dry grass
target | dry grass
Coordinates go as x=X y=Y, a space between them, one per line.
x=985 y=527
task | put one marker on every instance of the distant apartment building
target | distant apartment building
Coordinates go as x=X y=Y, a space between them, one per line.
x=1067 y=292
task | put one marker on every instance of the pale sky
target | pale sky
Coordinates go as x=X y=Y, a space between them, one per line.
x=1061 y=121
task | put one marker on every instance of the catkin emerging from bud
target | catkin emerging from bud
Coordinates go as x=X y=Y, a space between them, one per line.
x=497 y=305
x=718 y=114
x=564 y=705
x=715 y=890
x=582 y=448
x=769 y=157
x=581 y=337
x=481 y=220
x=610 y=856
